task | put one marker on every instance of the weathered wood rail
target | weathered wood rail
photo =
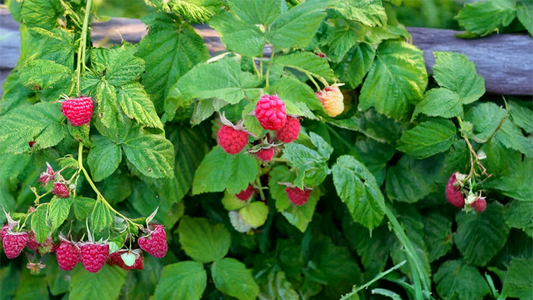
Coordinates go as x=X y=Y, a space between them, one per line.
x=504 y=60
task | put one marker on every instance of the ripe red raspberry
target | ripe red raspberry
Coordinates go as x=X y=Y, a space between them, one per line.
x=297 y=196
x=332 y=100
x=60 y=190
x=290 y=131
x=3 y=231
x=156 y=242
x=94 y=255
x=13 y=243
x=31 y=143
x=32 y=242
x=68 y=256
x=453 y=193
x=479 y=205
x=115 y=259
x=265 y=154
x=78 y=111
x=271 y=113
x=245 y=194
x=231 y=140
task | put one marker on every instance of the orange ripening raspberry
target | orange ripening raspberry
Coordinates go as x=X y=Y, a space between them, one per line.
x=332 y=100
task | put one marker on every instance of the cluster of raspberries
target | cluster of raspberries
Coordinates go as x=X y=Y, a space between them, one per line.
x=455 y=196
x=93 y=255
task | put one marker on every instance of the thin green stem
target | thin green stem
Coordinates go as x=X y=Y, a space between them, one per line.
x=313 y=81
x=261 y=68
x=277 y=159
x=81 y=50
x=269 y=65
x=258 y=183
x=256 y=70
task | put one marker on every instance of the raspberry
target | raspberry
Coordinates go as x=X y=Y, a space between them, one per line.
x=156 y=242
x=31 y=143
x=245 y=194
x=332 y=100
x=3 y=231
x=115 y=259
x=78 y=111
x=453 y=193
x=270 y=111
x=265 y=154
x=480 y=205
x=68 y=256
x=60 y=190
x=32 y=242
x=290 y=131
x=94 y=255
x=231 y=140
x=297 y=196
x=48 y=175
x=14 y=243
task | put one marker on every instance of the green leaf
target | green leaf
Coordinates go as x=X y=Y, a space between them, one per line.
x=58 y=280
x=375 y=156
x=312 y=166
x=437 y=235
x=457 y=280
x=440 y=102
x=104 y=285
x=512 y=137
x=481 y=236
x=232 y=278
x=101 y=217
x=169 y=54
x=411 y=179
x=237 y=35
x=219 y=171
x=357 y=188
x=356 y=65
x=41 y=13
x=203 y=240
x=104 y=158
x=40 y=74
x=525 y=15
x=522 y=115
x=121 y=66
x=428 y=138
x=297 y=27
x=255 y=214
x=483 y=18
x=59 y=45
x=13 y=164
x=307 y=62
x=82 y=207
x=59 y=210
x=292 y=90
x=153 y=155
x=108 y=109
x=514 y=183
x=31 y=287
x=184 y=280
x=231 y=202
x=136 y=105
x=39 y=224
x=486 y=118
x=256 y=12
x=519 y=214
x=519 y=279
x=222 y=79
x=370 y=13
x=396 y=81
x=455 y=72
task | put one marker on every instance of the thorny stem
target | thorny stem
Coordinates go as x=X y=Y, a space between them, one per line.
x=269 y=65
x=81 y=50
x=474 y=159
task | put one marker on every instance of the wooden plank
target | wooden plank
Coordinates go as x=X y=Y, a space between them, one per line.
x=505 y=60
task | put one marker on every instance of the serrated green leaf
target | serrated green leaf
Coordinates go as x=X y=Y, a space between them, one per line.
x=14 y=93
x=147 y=198
x=59 y=210
x=255 y=214
x=458 y=281
x=519 y=214
x=59 y=45
x=152 y=155
x=136 y=105
x=101 y=217
x=41 y=13
x=222 y=79
x=357 y=188
x=522 y=115
x=82 y=207
x=256 y=12
x=428 y=138
x=483 y=18
x=516 y=176
x=519 y=278
x=121 y=66
x=104 y=285
x=481 y=236
x=232 y=278
x=184 y=280
x=440 y=102
x=108 y=107
x=355 y=65
x=307 y=62
x=297 y=27
x=396 y=81
x=116 y=188
x=486 y=118
x=58 y=280
x=292 y=90
x=203 y=240
x=219 y=171
x=39 y=74
x=375 y=156
x=512 y=137
x=525 y=15
x=39 y=224
x=81 y=133
x=312 y=167
x=104 y=158
x=164 y=52
x=369 y=12
x=30 y=287
x=237 y=35
x=437 y=235
x=13 y=164
x=341 y=36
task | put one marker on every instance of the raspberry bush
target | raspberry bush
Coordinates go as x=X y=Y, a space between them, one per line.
x=333 y=167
